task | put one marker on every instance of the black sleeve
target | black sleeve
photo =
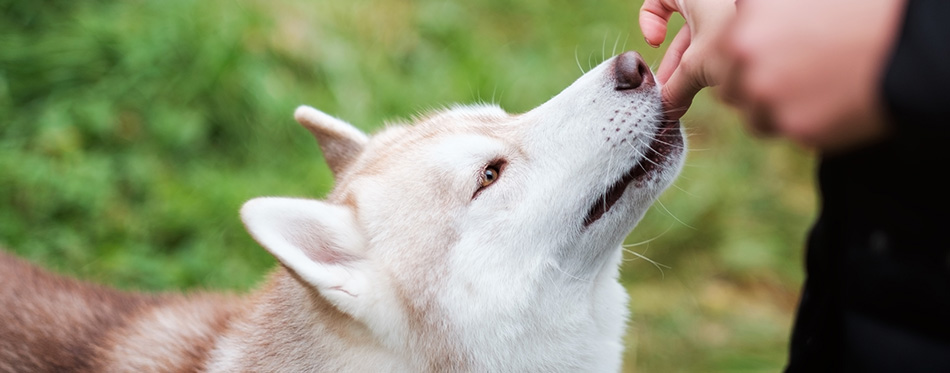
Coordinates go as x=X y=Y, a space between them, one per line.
x=916 y=85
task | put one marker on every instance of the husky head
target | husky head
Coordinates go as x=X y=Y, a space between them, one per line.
x=478 y=240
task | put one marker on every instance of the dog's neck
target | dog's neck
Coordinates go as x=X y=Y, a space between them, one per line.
x=287 y=323
x=572 y=325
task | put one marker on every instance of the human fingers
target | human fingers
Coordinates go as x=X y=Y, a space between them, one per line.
x=678 y=92
x=654 y=17
x=674 y=54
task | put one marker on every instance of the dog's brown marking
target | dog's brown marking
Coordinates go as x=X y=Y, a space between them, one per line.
x=56 y=324
x=52 y=323
x=176 y=336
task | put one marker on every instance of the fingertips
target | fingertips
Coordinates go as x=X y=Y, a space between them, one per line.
x=654 y=17
x=654 y=30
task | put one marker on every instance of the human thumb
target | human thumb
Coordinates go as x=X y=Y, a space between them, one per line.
x=678 y=93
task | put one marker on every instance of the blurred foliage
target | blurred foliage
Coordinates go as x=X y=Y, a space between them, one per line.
x=132 y=131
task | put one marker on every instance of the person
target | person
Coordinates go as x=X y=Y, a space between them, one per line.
x=862 y=83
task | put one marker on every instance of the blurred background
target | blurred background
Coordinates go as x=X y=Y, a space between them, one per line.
x=132 y=131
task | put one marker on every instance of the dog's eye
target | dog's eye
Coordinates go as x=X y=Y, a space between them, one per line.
x=489 y=176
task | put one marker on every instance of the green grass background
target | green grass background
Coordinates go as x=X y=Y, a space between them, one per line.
x=132 y=131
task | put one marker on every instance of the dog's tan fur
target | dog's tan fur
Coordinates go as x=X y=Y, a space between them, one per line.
x=53 y=323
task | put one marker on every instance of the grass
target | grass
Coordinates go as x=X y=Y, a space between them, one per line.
x=131 y=132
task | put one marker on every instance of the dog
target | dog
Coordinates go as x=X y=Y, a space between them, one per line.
x=470 y=241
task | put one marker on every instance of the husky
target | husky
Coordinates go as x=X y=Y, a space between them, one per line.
x=470 y=241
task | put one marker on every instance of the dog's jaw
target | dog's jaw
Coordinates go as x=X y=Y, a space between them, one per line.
x=615 y=154
x=658 y=154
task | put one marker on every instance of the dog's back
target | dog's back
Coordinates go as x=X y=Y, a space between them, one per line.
x=53 y=323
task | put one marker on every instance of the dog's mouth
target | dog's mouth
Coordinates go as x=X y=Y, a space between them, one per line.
x=665 y=141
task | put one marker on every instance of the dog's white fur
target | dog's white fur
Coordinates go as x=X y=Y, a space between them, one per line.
x=410 y=264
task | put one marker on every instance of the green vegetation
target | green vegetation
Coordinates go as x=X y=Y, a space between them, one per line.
x=132 y=131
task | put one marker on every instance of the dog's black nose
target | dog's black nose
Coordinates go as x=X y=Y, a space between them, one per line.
x=631 y=71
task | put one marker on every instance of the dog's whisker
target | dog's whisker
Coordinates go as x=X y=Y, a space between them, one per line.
x=650 y=147
x=607 y=181
x=640 y=154
x=644 y=242
x=690 y=165
x=576 y=59
x=613 y=51
x=660 y=203
x=643 y=156
x=655 y=63
x=557 y=267
x=683 y=190
x=658 y=266
x=655 y=138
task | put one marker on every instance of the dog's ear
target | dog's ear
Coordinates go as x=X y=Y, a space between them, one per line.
x=316 y=240
x=340 y=142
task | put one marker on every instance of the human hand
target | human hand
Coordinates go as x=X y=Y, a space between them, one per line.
x=693 y=60
x=811 y=70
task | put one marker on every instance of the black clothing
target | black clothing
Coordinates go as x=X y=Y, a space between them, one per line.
x=877 y=293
